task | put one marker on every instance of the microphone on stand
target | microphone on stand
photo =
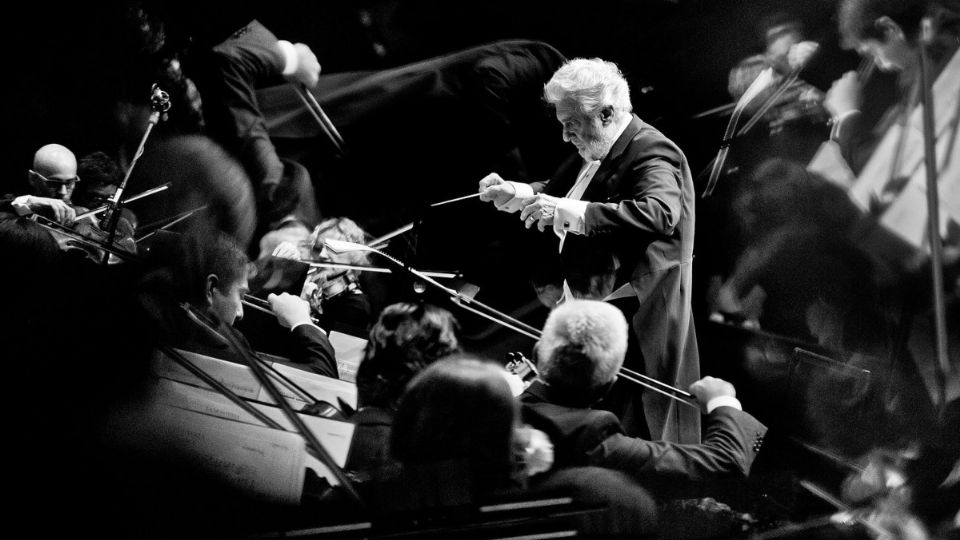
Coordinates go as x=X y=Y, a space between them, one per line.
x=159 y=103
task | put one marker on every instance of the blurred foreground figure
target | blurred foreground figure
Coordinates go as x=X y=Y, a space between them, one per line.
x=457 y=436
x=405 y=339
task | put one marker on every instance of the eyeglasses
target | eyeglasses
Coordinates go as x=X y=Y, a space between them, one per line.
x=70 y=181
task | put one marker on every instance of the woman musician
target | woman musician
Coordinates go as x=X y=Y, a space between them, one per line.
x=335 y=294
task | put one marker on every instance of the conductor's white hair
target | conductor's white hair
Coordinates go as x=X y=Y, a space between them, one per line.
x=583 y=344
x=591 y=83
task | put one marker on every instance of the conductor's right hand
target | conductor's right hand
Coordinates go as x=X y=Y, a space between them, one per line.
x=495 y=189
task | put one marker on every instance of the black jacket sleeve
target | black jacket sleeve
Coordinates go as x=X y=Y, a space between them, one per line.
x=312 y=350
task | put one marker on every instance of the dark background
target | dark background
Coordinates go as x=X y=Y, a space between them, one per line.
x=70 y=64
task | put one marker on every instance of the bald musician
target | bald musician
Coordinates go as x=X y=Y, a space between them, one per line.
x=52 y=181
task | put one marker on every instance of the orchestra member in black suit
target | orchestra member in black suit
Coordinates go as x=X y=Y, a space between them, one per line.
x=579 y=357
x=209 y=270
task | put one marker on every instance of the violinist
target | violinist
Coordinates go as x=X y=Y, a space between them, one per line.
x=102 y=176
x=798 y=108
x=579 y=356
x=52 y=181
x=335 y=294
x=208 y=270
x=888 y=33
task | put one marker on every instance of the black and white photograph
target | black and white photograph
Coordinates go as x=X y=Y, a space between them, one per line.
x=391 y=269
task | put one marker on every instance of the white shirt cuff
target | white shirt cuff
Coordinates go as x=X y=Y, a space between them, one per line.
x=20 y=205
x=311 y=324
x=521 y=191
x=723 y=401
x=570 y=216
x=290 y=57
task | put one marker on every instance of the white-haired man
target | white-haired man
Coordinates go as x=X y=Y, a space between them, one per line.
x=622 y=208
x=579 y=356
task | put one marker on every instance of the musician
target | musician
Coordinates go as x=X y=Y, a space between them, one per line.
x=209 y=271
x=888 y=31
x=335 y=295
x=794 y=122
x=456 y=434
x=622 y=207
x=784 y=50
x=405 y=339
x=52 y=181
x=102 y=177
x=579 y=357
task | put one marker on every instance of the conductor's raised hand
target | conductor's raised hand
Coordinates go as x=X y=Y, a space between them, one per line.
x=539 y=209
x=495 y=189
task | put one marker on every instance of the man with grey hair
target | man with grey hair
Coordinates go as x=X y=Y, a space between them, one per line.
x=579 y=356
x=622 y=210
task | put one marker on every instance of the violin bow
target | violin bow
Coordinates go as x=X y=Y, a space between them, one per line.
x=136 y=197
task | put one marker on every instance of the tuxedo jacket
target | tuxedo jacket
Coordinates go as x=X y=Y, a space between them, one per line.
x=641 y=212
x=309 y=348
x=583 y=436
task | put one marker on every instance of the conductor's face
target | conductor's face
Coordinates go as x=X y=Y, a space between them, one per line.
x=591 y=134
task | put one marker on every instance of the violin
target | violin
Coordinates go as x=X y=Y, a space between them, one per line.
x=332 y=283
x=88 y=238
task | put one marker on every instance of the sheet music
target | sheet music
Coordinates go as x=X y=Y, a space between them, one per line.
x=349 y=354
x=265 y=463
x=241 y=380
x=234 y=376
x=334 y=435
x=320 y=387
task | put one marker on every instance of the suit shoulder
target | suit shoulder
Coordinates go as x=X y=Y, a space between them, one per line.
x=650 y=142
